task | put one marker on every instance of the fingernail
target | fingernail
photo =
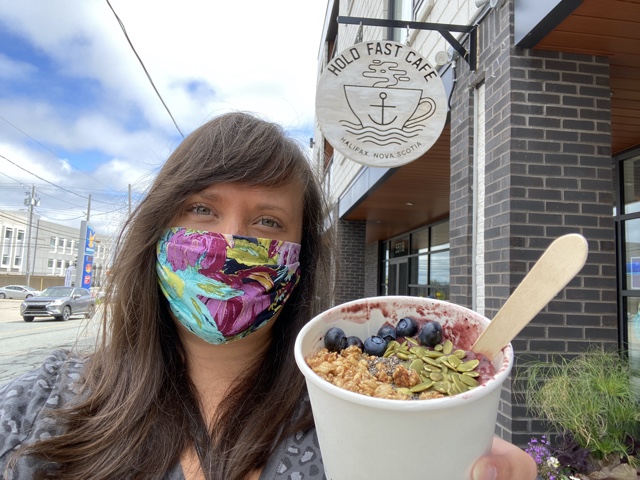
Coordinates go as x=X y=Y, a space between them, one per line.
x=486 y=472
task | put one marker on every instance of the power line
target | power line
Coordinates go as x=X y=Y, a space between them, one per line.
x=61 y=219
x=60 y=200
x=15 y=180
x=47 y=181
x=44 y=228
x=41 y=228
x=54 y=153
x=43 y=193
x=143 y=67
x=43 y=179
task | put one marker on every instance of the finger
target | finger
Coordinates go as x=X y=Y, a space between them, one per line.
x=505 y=462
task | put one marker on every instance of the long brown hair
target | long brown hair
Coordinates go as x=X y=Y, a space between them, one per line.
x=139 y=410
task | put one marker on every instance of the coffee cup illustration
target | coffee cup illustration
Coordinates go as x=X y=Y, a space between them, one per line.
x=385 y=113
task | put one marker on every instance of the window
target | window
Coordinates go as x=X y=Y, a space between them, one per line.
x=50 y=263
x=5 y=259
x=52 y=242
x=8 y=234
x=417 y=264
x=70 y=244
x=402 y=10
x=417 y=6
x=61 y=243
x=17 y=261
x=627 y=223
x=20 y=235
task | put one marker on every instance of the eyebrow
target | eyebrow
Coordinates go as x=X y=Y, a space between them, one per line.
x=214 y=196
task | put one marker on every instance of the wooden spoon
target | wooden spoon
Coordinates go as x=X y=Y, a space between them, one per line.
x=562 y=261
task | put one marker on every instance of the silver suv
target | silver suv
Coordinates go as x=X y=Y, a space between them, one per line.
x=59 y=303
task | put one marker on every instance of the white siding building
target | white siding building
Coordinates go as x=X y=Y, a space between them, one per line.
x=50 y=251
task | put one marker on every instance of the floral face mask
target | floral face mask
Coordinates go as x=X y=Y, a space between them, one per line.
x=224 y=287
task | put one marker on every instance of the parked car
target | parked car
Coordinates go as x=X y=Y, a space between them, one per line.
x=60 y=303
x=18 y=291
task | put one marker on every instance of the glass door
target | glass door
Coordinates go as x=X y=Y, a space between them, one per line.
x=398 y=277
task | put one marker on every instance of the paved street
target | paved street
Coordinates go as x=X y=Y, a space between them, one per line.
x=23 y=346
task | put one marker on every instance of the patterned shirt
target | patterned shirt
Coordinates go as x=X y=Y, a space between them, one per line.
x=23 y=420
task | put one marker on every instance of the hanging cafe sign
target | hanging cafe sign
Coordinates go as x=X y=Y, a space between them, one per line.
x=381 y=104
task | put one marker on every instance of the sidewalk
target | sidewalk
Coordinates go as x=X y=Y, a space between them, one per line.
x=10 y=310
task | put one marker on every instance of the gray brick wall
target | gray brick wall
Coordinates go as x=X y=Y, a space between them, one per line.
x=548 y=172
x=460 y=197
x=372 y=269
x=350 y=278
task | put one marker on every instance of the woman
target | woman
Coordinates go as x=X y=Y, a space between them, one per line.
x=190 y=380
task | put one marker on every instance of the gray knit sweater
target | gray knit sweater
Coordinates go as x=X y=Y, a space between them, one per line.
x=22 y=420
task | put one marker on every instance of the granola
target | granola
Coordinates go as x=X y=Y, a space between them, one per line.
x=353 y=370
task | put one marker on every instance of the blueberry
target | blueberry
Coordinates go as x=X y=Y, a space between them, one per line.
x=387 y=332
x=407 y=327
x=335 y=339
x=375 y=345
x=353 y=340
x=430 y=334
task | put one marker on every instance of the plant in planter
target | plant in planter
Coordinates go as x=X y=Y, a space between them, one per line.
x=589 y=398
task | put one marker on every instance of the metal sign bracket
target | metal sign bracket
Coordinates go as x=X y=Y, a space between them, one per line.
x=444 y=29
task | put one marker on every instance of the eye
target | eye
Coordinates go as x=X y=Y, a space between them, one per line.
x=269 y=222
x=199 y=209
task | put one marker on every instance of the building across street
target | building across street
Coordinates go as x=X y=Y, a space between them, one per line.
x=51 y=252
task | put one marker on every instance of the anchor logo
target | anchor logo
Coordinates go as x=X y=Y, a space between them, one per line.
x=383 y=97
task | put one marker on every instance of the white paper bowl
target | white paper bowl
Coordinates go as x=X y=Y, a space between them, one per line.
x=366 y=438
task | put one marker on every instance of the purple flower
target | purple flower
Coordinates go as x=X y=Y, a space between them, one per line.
x=186 y=248
x=548 y=466
x=286 y=252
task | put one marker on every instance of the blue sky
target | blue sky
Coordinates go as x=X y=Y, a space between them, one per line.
x=78 y=115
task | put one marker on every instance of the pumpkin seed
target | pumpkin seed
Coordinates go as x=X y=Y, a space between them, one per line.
x=431 y=362
x=442 y=387
x=461 y=386
x=433 y=353
x=419 y=351
x=421 y=387
x=412 y=342
x=469 y=365
x=417 y=365
x=467 y=380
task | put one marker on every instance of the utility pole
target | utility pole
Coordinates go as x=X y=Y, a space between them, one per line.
x=89 y=208
x=31 y=201
x=35 y=249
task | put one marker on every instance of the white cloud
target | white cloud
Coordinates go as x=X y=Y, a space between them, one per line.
x=205 y=58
